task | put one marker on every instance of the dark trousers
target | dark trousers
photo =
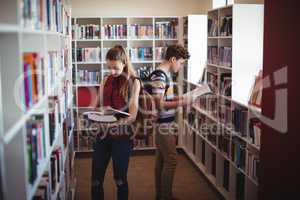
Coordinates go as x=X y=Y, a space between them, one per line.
x=119 y=150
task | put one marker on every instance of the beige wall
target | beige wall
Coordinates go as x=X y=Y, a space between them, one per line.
x=82 y=8
x=251 y=1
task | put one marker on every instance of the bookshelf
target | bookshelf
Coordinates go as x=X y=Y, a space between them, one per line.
x=36 y=122
x=222 y=131
x=144 y=37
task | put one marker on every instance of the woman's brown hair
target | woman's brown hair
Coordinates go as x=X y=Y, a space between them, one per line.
x=118 y=53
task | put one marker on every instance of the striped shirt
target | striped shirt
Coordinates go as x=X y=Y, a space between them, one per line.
x=159 y=83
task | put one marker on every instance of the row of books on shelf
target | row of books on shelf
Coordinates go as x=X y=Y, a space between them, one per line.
x=88 y=77
x=36 y=143
x=135 y=54
x=225 y=56
x=56 y=61
x=55 y=117
x=37 y=14
x=88 y=54
x=226 y=26
x=240 y=121
x=34 y=79
x=114 y=31
x=225 y=113
x=212 y=55
x=212 y=27
x=253 y=166
x=255 y=131
x=167 y=29
x=185 y=26
x=225 y=84
x=212 y=79
x=67 y=127
x=238 y=152
x=141 y=53
x=138 y=31
x=224 y=143
x=50 y=179
x=88 y=31
x=221 y=56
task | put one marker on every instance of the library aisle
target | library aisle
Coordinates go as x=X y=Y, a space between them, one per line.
x=238 y=142
x=189 y=183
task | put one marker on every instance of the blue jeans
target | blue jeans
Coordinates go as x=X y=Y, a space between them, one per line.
x=119 y=150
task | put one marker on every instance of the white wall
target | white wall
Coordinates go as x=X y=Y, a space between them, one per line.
x=82 y=8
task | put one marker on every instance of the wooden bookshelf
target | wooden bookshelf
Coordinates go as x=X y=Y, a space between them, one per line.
x=227 y=112
x=26 y=112
x=148 y=37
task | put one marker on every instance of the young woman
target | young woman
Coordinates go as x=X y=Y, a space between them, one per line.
x=120 y=91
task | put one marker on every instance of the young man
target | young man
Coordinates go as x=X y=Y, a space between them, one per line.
x=167 y=102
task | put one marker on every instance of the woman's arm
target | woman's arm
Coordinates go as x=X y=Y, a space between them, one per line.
x=98 y=100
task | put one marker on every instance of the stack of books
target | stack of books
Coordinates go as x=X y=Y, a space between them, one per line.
x=212 y=53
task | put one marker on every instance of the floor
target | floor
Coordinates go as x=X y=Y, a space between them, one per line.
x=189 y=183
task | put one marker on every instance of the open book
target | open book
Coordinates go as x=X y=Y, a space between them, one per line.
x=202 y=89
x=105 y=115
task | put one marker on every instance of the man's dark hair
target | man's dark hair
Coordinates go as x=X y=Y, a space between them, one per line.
x=177 y=51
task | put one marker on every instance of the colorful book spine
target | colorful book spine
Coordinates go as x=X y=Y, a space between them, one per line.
x=34 y=86
x=36 y=145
